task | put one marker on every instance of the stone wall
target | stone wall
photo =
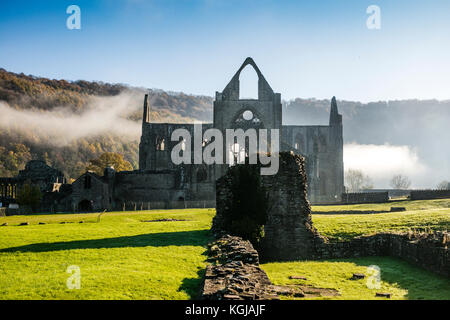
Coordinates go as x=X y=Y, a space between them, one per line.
x=236 y=274
x=288 y=233
x=426 y=250
x=429 y=194
x=365 y=197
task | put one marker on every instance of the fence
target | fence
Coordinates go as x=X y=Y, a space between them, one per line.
x=152 y=205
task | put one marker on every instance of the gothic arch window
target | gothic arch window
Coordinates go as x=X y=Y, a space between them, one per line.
x=323 y=183
x=246 y=119
x=248 y=83
x=322 y=143
x=299 y=142
x=316 y=146
x=160 y=144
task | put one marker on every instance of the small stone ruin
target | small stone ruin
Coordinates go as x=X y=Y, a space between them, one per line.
x=288 y=233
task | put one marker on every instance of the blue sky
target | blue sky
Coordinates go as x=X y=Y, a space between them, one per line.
x=304 y=49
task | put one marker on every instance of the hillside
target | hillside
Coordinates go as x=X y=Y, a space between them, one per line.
x=68 y=123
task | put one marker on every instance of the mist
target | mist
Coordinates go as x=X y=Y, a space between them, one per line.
x=60 y=126
x=382 y=162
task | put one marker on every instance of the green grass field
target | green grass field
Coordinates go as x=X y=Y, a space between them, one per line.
x=121 y=257
x=434 y=214
x=125 y=257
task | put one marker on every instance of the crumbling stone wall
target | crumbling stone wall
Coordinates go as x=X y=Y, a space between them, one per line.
x=288 y=233
x=426 y=250
x=365 y=197
x=236 y=274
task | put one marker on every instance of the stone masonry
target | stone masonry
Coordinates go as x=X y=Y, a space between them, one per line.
x=289 y=233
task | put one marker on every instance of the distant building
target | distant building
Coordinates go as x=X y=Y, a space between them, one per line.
x=160 y=180
x=36 y=172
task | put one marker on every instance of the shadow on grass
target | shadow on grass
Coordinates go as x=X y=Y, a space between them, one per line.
x=182 y=238
x=349 y=212
x=193 y=286
x=420 y=283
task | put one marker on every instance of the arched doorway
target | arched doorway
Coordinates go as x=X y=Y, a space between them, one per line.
x=85 y=206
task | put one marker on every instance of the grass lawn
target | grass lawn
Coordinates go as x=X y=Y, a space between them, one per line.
x=121 y=257
x=434 y=214
x=399 y=278
x=124 y=257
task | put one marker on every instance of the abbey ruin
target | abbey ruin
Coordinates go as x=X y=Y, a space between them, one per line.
x=159 y=180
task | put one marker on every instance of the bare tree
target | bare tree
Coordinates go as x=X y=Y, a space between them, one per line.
x=443 y=185
x=356 y=180
x=400 y=181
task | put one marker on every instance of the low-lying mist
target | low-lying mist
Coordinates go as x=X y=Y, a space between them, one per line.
x=382 y=162
x=60 y=126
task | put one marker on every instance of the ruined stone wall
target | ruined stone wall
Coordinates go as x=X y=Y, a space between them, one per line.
x=97 y=192
x=365 y=197
x=235 y=274
x=323 y=150
x=426 y=250
x=429 y=194
x=288 y=233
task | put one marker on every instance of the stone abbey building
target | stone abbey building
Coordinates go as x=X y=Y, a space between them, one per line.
x=159 y=180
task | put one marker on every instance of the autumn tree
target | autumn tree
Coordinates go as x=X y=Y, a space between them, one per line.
x=109 y=159
x=400 y=181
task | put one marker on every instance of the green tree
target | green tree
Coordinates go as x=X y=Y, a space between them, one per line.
x=30 y=196
x=109 y=159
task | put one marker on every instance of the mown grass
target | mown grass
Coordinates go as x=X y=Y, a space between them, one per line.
x=122 y=257
x=119 y=258
x=399 y=278
x=429 y=214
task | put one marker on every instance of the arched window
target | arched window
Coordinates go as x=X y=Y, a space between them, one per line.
x=299 y=143
x=160 y=144
x=322 y=143
x=316 y=146
x=323 y=183
x=248 y=83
